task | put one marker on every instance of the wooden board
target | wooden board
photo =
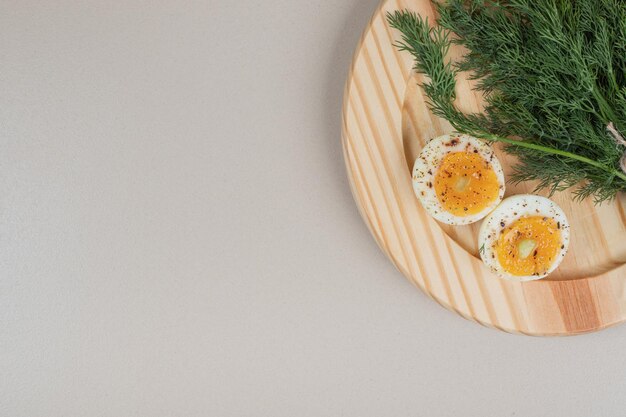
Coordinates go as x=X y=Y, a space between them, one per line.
x=385 y=123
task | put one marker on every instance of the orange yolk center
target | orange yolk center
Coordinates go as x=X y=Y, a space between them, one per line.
x=529 y=246
x=466 y=183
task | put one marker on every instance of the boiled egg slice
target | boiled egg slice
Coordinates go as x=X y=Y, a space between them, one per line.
x=458 y=179
x=524 y=238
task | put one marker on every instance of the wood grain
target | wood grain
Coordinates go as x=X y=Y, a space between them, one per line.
x=385 y=123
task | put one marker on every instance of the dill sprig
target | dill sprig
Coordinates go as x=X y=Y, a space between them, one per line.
x=553 y=74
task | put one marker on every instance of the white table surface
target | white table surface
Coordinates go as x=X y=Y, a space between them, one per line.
x=177 y=236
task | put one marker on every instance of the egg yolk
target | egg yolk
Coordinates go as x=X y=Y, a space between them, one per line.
x=529 y=246
x=466 y=183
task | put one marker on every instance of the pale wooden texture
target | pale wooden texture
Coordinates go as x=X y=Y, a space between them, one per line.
x=386 y=122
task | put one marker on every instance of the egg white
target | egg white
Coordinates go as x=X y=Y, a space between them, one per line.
x=510 y=210
x=427 y=164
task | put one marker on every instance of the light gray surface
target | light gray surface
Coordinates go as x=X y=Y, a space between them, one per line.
x=177 y=237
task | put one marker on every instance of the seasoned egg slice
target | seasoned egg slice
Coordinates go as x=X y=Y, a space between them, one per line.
x=524 y=238
x=458 y=179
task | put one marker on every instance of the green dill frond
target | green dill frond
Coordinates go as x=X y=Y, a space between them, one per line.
x=552 y=73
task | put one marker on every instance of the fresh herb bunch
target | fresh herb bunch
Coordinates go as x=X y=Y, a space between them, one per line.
x=553 y=76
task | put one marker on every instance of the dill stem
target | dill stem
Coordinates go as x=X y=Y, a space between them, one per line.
x=546 y=149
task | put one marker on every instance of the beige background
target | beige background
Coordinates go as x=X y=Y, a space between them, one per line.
x=177 y=237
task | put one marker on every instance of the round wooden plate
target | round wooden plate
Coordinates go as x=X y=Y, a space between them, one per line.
x=385 y=123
